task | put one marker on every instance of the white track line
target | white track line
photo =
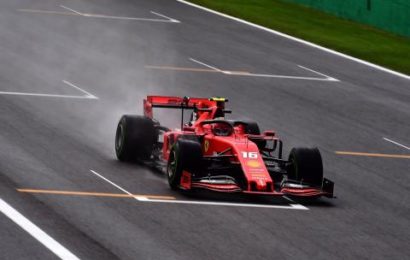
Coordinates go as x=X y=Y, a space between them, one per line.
x=396 y=143
x=112 y=183
x=166 y=17
x=72 y=10
x=233 y=73
x=280 y=76
x=289 y=199
x=298 y=40
x=128 y=18
x=321 y=74
x=86 y=96
x=209 y=203
x=206 y=65
x=36 y=232
x=89 y=95
x=43 y=95
x=228 y=204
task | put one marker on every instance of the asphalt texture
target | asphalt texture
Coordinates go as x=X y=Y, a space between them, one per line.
x=52 y=142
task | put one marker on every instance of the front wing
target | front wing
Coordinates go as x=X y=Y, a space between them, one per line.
x=287 y=188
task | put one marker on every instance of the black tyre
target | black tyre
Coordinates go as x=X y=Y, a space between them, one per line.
x=253 y=129
x=306 y=166
x=135 y=138
x=184 y=155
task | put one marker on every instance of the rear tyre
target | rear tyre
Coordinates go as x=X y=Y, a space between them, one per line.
x=184 y=155
x=135 y=138
x=306 y=166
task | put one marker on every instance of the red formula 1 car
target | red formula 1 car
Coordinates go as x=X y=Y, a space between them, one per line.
x=213 y=153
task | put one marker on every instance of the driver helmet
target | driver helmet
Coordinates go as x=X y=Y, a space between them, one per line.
x=221 y=129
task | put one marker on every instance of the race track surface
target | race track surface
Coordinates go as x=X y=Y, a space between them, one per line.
x=70 y=69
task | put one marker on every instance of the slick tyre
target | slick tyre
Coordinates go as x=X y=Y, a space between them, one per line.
x=306 y=166
x=253 y=129
x=135 y=138
x=184 y=155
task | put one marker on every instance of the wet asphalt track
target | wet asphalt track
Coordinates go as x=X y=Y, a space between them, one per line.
x=51 y=141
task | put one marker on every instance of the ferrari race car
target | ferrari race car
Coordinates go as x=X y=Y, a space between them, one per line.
x=211 y=152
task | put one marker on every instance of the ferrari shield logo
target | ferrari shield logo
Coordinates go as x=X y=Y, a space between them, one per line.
x=206 y=145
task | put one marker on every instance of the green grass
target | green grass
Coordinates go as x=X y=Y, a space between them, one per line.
x=355 y=39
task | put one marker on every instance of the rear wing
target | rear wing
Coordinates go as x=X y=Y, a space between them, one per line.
x=180 y=103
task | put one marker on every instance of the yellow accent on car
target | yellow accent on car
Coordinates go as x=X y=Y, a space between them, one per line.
x=218 y=99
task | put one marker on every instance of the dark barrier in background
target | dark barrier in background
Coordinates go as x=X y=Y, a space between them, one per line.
x=390 y=15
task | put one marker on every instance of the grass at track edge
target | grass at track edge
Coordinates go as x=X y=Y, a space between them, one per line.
x=352 y=38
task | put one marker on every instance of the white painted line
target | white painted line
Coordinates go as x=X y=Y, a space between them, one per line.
x=228 y=204
x=89 y=95
x=36 y=232
x=289 y=199
x=298 y=40
x=206 y=65
x=321 y=74
x=166 y=17
x=142 y=199
x=86 y=96
x=113 y=184
x=280 y=76
x=72 y=10
x=246 y=74
x=128 y=18
x=46 y=12
x=44 y=95
x=211 y=203
x=396 y=143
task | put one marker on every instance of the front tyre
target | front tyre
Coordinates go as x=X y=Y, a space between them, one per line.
x=306 y=166
x=184 y=155
x=253 y=129
x=134 y=138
